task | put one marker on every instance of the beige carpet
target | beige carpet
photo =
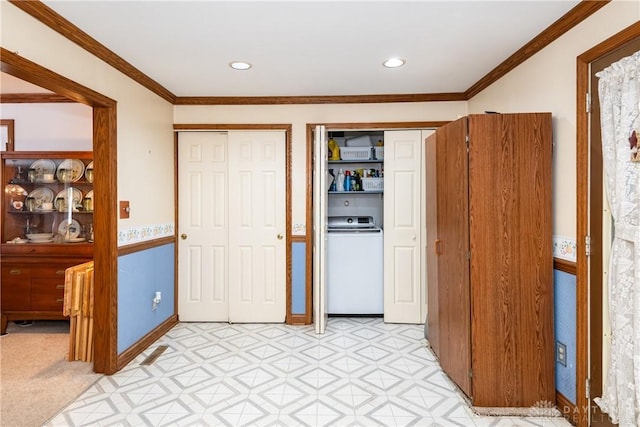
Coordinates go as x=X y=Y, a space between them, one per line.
x=36 y=380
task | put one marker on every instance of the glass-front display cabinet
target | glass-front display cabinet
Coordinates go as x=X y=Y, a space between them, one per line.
x=47 y=226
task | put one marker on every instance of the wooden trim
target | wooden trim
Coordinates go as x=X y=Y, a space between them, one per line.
x=105 y=225
x=145 y=342
x=582 y=268
x=176 y=214
x=298 y=319
x=33 y=98
x=379 y=125
x=309 y=229
x=53 y=20
x=568 y=409
x=288 y=209
x=28 y=71
x=328 y=99
x=148 y=244
x=299 y=239
x=579 y=13
x=10 y=124
x=105 y=222
x=564 y=265
x=232 y=126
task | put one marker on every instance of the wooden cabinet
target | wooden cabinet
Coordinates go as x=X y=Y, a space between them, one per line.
x=489 y=257
x=39 y=241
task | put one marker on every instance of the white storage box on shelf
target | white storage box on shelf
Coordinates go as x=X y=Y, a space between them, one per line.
x=355 y=153
x=379 y=152
x=372 y=184
x=359 y=141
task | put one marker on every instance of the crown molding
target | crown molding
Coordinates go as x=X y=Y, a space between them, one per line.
x=579 y=13
x=56 y=22
x=330 y=99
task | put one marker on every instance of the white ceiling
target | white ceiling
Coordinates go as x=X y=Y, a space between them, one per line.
x=307 y=48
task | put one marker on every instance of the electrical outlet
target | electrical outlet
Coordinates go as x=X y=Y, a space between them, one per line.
x=561 y=353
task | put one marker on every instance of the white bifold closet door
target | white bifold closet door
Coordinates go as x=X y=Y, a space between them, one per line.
x=232 y=221
x=405 y=298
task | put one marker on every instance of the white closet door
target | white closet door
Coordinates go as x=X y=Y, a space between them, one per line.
x=257 y=244
x=203 y=228
x=320 y=173
x=404 y=288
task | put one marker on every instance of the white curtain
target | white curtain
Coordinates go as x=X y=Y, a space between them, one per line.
x=619 y=89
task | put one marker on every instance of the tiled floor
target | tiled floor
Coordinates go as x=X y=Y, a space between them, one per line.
x=361 y=372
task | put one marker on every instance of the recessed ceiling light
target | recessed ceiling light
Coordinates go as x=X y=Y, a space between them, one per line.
x=394 y=62
x=240 y=65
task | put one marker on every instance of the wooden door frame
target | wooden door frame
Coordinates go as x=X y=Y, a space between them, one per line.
x=105 y=248
x=583 y=205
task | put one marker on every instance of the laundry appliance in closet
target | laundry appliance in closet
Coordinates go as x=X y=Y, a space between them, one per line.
x=355 y=266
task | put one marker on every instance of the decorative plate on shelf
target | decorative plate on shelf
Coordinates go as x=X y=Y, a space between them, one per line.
x=70 y=170
x=76 y=240
x=69 y=231
x=41 y=195
x=43 y=166
x=76 y=197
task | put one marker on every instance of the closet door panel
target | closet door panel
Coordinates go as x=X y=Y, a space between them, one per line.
x=509 y=217
x=453 y=265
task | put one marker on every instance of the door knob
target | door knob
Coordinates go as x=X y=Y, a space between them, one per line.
x=183 y=236
x=280 y=236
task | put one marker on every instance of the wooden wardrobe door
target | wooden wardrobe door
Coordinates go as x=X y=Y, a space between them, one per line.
x=453 y=263
x=511 y=260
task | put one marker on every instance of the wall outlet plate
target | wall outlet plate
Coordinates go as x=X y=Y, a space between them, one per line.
x=561 y=353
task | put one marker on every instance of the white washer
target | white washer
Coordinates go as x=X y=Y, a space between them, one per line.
x=355 y=266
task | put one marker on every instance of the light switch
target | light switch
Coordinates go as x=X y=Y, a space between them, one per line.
x=124 y=209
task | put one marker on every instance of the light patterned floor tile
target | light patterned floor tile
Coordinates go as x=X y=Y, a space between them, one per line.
x=362 y=372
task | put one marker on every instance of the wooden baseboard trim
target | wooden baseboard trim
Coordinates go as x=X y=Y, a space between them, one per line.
x=298 y=319
x=568 y=409
x=129 y=354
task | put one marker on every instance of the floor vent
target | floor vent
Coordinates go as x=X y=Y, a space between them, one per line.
x=153 y=356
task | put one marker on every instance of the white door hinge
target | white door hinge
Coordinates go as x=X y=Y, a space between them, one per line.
x=588 y=100
x=587 y=245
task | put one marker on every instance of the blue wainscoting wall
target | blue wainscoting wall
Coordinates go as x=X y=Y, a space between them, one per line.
x=298 y=278
x=140 y=276
x=565 y=331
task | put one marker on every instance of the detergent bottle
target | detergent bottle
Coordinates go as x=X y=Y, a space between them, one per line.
x=333 y=152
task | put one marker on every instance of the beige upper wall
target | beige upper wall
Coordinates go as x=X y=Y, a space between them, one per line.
x=50 y=127
x=547 y=82
x=145 y=121
x=301 y=115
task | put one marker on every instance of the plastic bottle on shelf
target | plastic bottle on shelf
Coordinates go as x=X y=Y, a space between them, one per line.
x=347 y=181
x=340 y=181
x=333 y=150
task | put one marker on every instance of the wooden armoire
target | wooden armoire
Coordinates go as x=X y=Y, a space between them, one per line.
x=489 y=257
